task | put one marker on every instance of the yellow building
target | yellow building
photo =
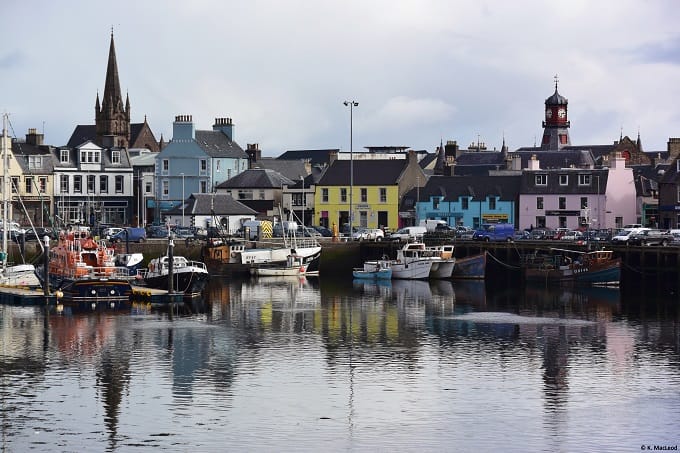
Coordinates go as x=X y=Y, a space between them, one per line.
x=374 y=195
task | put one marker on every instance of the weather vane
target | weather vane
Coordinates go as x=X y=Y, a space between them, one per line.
x=556 y=80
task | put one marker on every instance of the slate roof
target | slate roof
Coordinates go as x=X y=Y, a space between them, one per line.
x=292 y=169
x=366 y=172
x=528 y=182
x=21 y=151
x=212 y=204
x=672 y=175
x=556 y=99
x=454 y=187
x=314 y=156
x=74 y=158
x=85 y=132
x=261 y=178
x=218 y=144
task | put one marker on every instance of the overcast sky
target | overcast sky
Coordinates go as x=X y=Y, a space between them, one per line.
x=422 y=71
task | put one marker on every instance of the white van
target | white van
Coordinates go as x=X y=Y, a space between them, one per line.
x=412 y=233
x=623 y=235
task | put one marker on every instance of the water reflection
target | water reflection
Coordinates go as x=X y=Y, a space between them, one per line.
x=299 y=361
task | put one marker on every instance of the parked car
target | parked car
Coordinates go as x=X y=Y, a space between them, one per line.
x=368 y=234
x=623 y=236
x=37 y=234
x=495 y=232
x=108 y=233
x=325 y=232
x=183 y=233
x=412 y=233
x=542 y=234
x=157 y=231
x=573 y=235
x=651 y=237
x=131 y=234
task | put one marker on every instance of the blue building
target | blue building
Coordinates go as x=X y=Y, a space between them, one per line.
x=468 y=200
x=195 y=161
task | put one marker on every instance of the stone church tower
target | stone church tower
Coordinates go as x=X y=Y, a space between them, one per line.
x=112 y=119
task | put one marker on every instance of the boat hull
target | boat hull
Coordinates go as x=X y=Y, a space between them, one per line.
x=184 y=282
x=382 y=274
x=442 y=268
x=608 y=273
x=93 y=289
x=471 y=267
x=414 y=270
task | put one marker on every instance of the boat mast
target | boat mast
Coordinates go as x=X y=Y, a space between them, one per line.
x=5 y=185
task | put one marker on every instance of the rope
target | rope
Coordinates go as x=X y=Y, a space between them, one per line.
x=509 y=266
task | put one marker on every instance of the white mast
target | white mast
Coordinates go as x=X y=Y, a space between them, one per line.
x=5 y=178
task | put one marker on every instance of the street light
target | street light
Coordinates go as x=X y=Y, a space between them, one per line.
x=182 y=175
x=351 y=105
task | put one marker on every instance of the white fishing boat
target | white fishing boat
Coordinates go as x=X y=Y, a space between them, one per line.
x=410 y=263
x=293 y=266
x=443 y=261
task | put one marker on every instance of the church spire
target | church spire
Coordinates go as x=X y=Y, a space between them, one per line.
x=113 y=118
x=441 y=159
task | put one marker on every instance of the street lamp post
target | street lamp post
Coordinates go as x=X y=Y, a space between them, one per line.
x=182 y=175
x=302 y=199
x=351 y=105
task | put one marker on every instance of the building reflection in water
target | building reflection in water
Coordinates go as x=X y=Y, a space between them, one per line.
x=366 y=327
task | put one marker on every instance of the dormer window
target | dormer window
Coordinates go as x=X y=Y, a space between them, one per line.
x=115 y=157
x=34 y=162
x=541 y=180
x=90 y=157
x=63 y=156
x=564 y=180
x=584 y=180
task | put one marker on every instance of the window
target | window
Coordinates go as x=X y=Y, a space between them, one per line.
x=89 y=157
x=324 y=195
x=63 y=184
x=678 y=194
x=204 y=186
x=492 y=203
x=42 y=184
x=343 y=195
x=147 y=187
x=364 y=195
x=539 y=202
x=91 y=183
x=465 y=203
x=165 y=166
x=296 y=199
x=564 y=180
x=541 y=180
x=584 y=202
x=383 y=195
x=562 y=222
x=34 y=162
x=166 y=188
x=584 y=180
x=119 y=184
x=262 y=194
x=115 y=157
x=103 y=184
x=562 y=203
x=203 y=167
x=78 y=184
x=563 y=139
x=244 y=194
x=540 y=221
x=15 y=184
x=218 y=166
x=618 y=221
x=28 y=184
x=63 y=156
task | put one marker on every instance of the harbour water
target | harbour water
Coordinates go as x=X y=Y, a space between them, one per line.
x=304 y=364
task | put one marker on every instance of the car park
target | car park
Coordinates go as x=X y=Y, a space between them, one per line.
x=368 y=234
x=651 y=237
